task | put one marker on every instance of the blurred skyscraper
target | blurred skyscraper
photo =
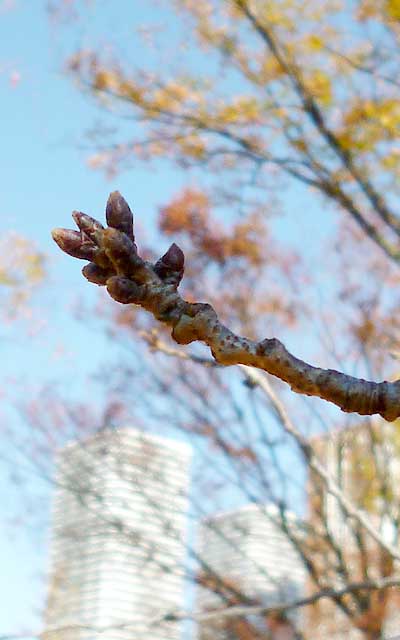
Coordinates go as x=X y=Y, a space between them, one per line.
x=247 y=548
x=118 y=540
x=363 y=462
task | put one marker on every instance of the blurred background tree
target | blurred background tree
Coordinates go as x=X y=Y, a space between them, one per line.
x=22 y=269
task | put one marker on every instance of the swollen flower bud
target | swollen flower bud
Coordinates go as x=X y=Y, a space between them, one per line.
x=96 y=274
x=124 y=290
x=75 y=244
x=87 y=224
x=170 y=266
x=119 y=215
x=121 y=250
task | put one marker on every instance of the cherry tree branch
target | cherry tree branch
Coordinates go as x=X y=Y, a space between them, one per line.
x=115 y=263
x=259 y=379
x=316 y=465
x=236 y=611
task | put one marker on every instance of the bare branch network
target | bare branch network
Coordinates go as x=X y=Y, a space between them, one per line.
x=235 y=611
x=256 y=378
x=116 y=264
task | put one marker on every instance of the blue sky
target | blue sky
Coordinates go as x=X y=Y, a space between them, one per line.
x=44 y=177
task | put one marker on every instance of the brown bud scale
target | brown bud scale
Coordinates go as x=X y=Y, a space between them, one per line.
x=119 y=215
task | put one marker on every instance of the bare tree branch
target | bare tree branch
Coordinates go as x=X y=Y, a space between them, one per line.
x=116 y=263
x=312 y=109
x=239 y=610
x=256 y=378
x=315 y=465
x=235 y=611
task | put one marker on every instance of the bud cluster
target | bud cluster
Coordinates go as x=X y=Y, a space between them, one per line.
x=113 y=258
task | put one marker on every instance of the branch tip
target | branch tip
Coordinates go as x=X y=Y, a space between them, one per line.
x=87 y=224
x=170 y=267
x=73 y=243
x=119 y=214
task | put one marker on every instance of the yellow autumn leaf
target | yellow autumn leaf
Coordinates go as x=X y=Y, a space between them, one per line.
x=392 y=8
x=21 y=270
x=370 y=122
x=368 y=9
x=392 y=161
x=320 y=86
x=270 y=69
x=103 y=80
x=314 y=43
x=241 y=110
x=193 y=147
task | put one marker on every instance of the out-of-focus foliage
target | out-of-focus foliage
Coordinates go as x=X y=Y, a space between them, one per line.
x=308 y=91
x=21 y=271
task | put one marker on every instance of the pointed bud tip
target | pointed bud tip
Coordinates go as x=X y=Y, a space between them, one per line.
x=71 y=242
x=114 y=195
x=79 y=218
x=58 y=236
x=117 y=201
x=174 y=258
x=61 y=236
x=119 y=214
x=87 y=224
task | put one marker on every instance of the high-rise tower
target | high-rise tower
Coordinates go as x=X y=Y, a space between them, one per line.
x=118 y=547
x=248 y=550
x=363 y=461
